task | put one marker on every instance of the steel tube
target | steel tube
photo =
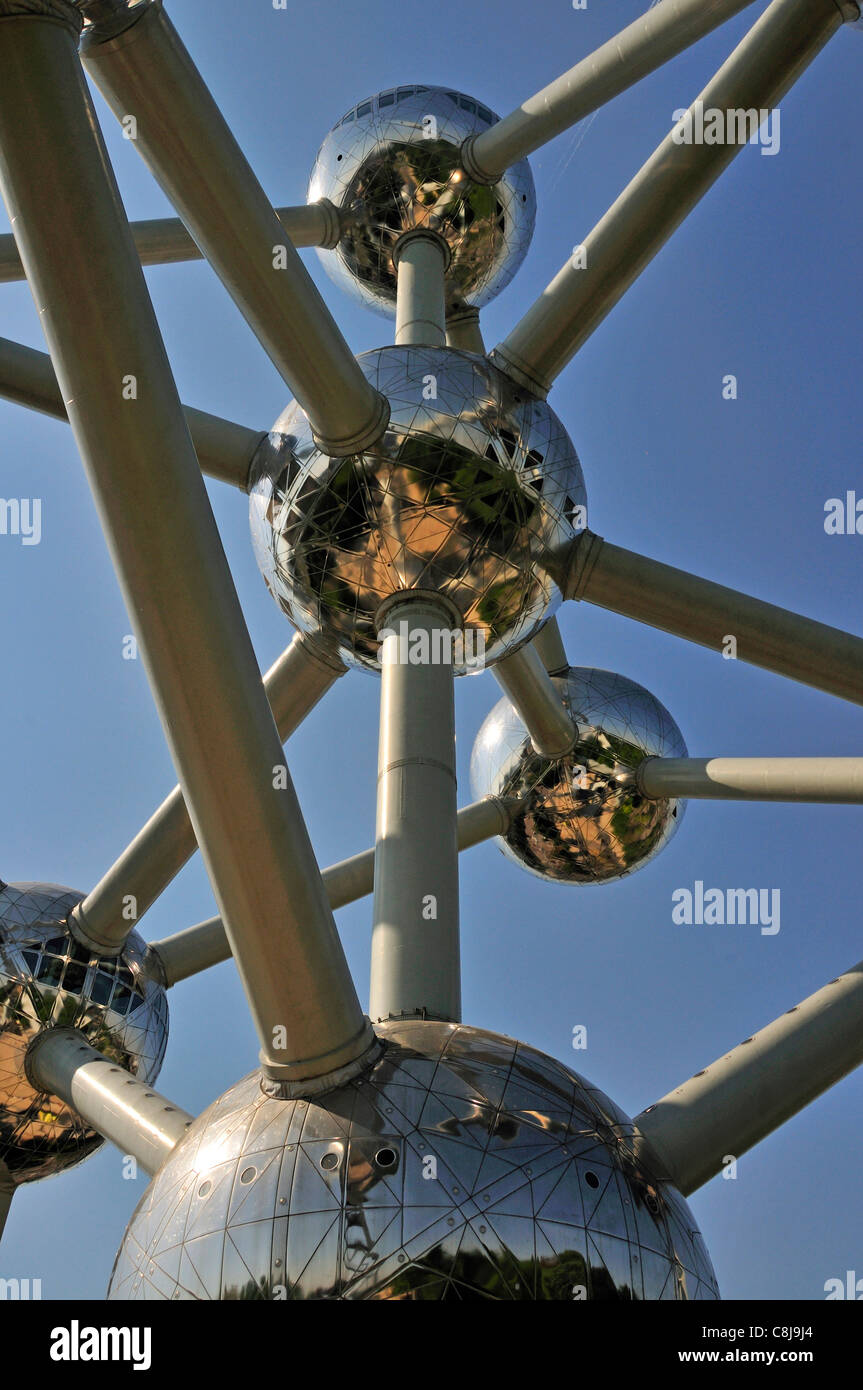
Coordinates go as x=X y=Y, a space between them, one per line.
x=294 y=685
x=184 y=139
x=548 y=645
x=637 y=50
x=415 y=940
x=528 y=686
x=197 y=948
x=463 y=332
x=420 y=259
x=774 y=53
x=165 y=241
x=133 y=1116
x=709 y=614
x=741 y=1098
x=225 y=450
x=829 y=780
x=93 y=303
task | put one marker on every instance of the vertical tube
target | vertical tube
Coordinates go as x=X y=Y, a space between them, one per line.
x=415 y=941
x=463 y=332
x=124 y=410
x=421 y=259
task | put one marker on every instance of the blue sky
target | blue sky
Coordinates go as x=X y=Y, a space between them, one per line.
x=764 y=282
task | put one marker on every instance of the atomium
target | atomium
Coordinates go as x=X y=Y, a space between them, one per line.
x=581 y=818
x=464 y=1165
x=47 y=980
x=419 y=1159
x=472 y=491
x=391 y=165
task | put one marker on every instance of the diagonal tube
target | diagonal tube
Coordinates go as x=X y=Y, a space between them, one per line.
x=548 y=645
x=197 y=948
x=134 y=1117
x=774 y=53
x=294 y=685
x=147 y=76
x=639 y=49
x=713 y=616
x=92 y=298
x=747 y=1094
x=165 y=241
x=225 y=450
x=836 y=781
x=528 y=686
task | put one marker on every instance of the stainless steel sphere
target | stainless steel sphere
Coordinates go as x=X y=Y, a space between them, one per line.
x=392 y=164
x=474 y=485
x=464 y=1165
x=48 y=980
x=582 y=818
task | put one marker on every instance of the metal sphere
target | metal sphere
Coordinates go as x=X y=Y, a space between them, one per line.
x=48 y=980
x=471 y=490
x=393 y=164
x=463 y=1165
x=582 y=818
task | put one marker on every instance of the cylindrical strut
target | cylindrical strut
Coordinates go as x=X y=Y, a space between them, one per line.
x=225 y=450
x=415 y=941
x=95 y=310
x=145 y=72
x=165 y=241
x=763 y=67
x=745 y=1095
x=294 y=685
x=530 y=689
x=830 y=780
x=206 y=944
x=662 y=32
x=421 y=260
x=61 y=1062
x=671 y=599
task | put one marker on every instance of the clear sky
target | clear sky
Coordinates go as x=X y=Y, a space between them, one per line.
x=764 y=282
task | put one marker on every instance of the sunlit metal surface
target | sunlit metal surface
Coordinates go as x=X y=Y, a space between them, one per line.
x=465 y=1165
x=393 y=163
x=474 y=485
x=582 y=818
x=47 y=980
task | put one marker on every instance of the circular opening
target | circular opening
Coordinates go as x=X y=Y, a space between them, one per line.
x=386 y=1158
x=591 y=1179
x=248 y=1175
x=330 y=1161
x=338 y=156
x=205 y=1188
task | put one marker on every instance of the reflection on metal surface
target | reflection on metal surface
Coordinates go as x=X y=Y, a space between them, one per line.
x=582 y=818
x=473 y=486
x=393 y=163
x=463 y=1165
x=47 y=980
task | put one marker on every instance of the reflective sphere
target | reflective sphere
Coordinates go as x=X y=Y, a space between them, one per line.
x=464 y=1165
x=582 y=818
x=48 y=980
x=473 y=486
x=392 y=164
